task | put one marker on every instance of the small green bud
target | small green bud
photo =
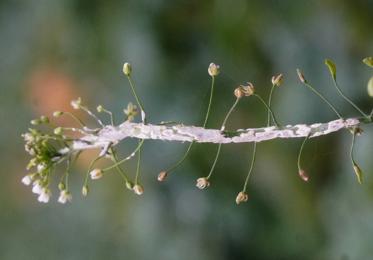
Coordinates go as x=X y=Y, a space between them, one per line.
x=358 y=172
x=58 y=131
x=44 y=119
x=129 y=185
x=332 y=68
x=368 y=61
x=35 y=122
x=57 y=113
x=61 y=186
x=127 y=69
x=100 y=109
x=370 y=87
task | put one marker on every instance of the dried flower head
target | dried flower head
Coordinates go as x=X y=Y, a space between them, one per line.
x=302 y=173
x=301 y=76
x=138 y=189
x=213 y=69
x=241 y=197
x=96 y=174
x=277 y=80
x=162 y=176
x=244 y=90
x=202 y=183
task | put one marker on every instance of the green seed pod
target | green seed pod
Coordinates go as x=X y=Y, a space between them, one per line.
x=358 y=172
x=332 y=68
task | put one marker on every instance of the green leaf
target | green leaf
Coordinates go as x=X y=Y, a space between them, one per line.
x=332 y=68
x=368 y=61
x=370 y=87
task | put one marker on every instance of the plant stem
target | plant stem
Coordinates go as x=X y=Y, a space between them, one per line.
x=251 y=167
x=269 y=109
x=269 y=104
x=300 y=151
x=347 y=99
x=139 y=103
x=125 y=159
x=323 y=98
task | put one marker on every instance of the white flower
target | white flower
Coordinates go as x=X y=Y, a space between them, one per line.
x=44 y=195
x=96 y=174
x=37 y=188
x=76 y=103
x=64 y=197
x=27 y=180
x=29 y=138
x=41 y=167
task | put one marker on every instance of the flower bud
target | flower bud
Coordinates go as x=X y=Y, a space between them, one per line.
x=85 y=190
x=100 y=109
x=277 y=80
x=202 y=183
x=241 y=197
x=129 y=185
x=61 y=186
x=368 y=61
x=162 y=176
x=35 y=122
x=57 y=113
x=301 y=76
x=213 y=69
x=138 y=189
x=303 y=175
x=96 y=174
x=44 y=119
x=58 y=131
x=127 y=69
x=76 y=103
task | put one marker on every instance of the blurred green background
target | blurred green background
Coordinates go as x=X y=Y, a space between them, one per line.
x=53 y=51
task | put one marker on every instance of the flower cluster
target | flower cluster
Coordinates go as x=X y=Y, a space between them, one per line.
x=47 y=151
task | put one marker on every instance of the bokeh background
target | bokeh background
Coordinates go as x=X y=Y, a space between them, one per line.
x=53 y=51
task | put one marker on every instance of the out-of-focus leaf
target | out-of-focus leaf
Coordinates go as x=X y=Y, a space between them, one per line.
x=332 y=68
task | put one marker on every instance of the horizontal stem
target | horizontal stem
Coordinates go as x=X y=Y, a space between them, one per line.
x=182 y=133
